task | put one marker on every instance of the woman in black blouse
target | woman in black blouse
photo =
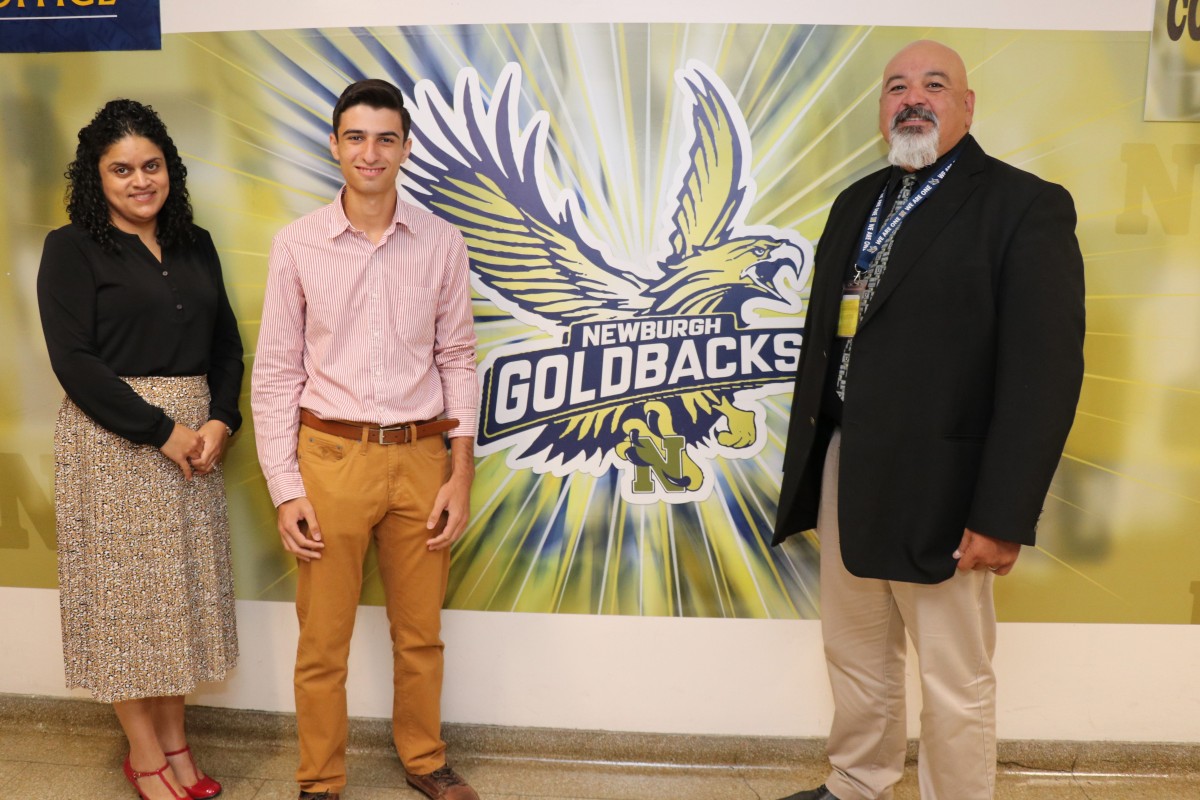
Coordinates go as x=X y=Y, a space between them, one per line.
x=143 y=340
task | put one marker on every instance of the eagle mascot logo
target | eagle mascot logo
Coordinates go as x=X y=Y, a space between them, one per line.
x=653 y=368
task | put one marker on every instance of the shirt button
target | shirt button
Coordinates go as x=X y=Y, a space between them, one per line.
x=164 y=273
x=179 y=307
x=812 y=420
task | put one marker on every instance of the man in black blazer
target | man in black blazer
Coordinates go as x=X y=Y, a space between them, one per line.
x=942 y=361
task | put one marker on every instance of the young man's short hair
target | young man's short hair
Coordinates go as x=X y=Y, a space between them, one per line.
x=375 y=93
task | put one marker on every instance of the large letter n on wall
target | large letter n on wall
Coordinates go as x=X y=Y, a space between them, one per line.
x=1146 y=176
x=19 y=487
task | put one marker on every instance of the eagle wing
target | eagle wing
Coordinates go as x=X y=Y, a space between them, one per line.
x=475 y=168
x=713 y=180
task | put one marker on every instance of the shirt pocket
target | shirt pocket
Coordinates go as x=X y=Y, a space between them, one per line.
x=413 y=315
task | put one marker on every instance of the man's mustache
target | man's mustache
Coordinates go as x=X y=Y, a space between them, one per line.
x=913 y=112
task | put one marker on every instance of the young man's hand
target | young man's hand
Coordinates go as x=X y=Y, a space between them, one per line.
x=298 y=529
x=454 y=498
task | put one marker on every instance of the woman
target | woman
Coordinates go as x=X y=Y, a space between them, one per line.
x=144 y=342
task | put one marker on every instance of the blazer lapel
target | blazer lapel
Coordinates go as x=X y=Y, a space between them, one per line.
x=840 y=241
x=927 y=222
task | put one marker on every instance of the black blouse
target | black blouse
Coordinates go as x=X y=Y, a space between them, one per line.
x=106 y=315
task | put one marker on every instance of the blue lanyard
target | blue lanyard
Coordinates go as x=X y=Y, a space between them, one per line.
x=872 y=241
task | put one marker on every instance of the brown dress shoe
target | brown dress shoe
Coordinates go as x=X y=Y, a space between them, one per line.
x=442 y=784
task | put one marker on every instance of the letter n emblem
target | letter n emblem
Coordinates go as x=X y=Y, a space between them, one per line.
x=650 y=463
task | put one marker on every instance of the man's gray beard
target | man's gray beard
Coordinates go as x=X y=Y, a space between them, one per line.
x=913 y=149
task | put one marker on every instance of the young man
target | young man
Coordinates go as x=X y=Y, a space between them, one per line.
x=366 y=357
x=943 y=356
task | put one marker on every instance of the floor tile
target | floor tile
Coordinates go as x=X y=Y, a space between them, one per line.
x=54 y=782
x=605 y=781
x=9 y=771
x=78 y=755
x=1186 y=788
x=277 y=790
x=276 y=763
x=95 y=751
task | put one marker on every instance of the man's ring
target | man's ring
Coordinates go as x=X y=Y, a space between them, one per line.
x=993 y=569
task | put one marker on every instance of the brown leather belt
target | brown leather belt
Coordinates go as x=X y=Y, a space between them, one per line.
x=395 y=434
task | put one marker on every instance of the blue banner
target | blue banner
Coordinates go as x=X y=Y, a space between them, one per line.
x=56 y=26
x=608 y=365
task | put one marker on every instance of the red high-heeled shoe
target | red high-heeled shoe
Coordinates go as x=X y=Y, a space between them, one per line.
x=132 y=776
x=205 y=787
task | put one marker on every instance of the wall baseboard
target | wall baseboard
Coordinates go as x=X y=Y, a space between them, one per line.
x=222 y=726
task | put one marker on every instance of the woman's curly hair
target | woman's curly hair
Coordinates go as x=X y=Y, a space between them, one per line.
x=86 y=205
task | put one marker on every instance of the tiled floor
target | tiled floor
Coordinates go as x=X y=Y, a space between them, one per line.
x=60 y=750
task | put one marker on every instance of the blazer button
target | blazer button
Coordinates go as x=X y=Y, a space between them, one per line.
x=812 y=421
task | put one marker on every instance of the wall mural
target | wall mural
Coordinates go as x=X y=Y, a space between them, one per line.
x=642 y=204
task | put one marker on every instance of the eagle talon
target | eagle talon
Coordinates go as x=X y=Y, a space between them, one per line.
x=742 y=430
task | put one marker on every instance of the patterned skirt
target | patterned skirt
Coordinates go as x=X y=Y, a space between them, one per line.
x=144 y=576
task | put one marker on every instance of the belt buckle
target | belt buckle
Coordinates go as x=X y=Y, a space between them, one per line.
x=407 y=428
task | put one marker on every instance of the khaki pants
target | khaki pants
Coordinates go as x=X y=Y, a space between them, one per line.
x=362 y=491
x=953 y=629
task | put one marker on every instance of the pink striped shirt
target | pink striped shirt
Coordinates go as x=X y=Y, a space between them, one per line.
x=380 y=333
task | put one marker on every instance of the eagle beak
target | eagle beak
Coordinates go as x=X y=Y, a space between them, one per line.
x=763 y=274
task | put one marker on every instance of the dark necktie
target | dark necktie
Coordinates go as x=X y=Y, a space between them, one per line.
x=874 y=273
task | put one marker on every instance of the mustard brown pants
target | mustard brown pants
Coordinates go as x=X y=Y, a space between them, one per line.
x=364 y=492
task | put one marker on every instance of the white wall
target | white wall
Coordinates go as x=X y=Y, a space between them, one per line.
x=1083 y=682
x=181 y=16
x=738 y=677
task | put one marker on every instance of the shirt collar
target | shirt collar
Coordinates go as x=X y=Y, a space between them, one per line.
x=339 y=223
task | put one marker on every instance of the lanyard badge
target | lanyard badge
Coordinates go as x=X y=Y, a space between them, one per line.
x=854 y=292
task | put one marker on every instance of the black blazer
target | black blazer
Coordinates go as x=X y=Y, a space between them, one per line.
x=964 y=375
